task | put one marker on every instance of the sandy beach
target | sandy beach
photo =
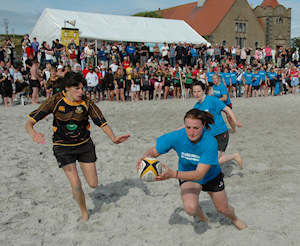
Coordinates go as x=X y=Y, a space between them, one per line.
x=37 y=208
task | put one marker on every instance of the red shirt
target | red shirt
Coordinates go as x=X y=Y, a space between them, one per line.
x=125 y=64
x=99 y=78
x=85 y=72
x=294 y=73
x=29 y=51
x=195 y=73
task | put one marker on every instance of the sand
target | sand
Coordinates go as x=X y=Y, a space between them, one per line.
x=37 y=208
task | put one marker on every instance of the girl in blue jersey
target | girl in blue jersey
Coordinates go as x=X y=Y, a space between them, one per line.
x=248 y=77
x=272 y=75
x=219 y=130
x=220 y=91
x=198 y=167
x=256 y=83
x=263 y=77
x=232 y=89
x=209 y=80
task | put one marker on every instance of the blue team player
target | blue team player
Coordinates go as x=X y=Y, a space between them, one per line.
x=248 y=77
x=198 y=167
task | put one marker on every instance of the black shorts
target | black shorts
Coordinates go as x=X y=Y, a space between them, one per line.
x=110 y=87
x=7 y=93
x=234 y=85
x=255 y=87
x=222 y=140
x=273 y=82
x=167 y=83
x=176 y=85
x=70 y=154
x=214 y=185
x=146 y=88
x=188 y=86
x=35 y=83
x=99 y=88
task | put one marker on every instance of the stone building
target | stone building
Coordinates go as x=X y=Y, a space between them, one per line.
x=234 y=22
x=276 y=20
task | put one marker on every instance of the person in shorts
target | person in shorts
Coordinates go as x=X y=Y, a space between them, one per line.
x=219 y=130
x=135 y=85
x=71 y=138
x=6 y=81
x=198 y=167
x=146 y=85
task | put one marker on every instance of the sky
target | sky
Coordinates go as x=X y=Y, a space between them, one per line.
x=22 y=15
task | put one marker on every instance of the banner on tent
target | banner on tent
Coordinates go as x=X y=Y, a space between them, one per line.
x=67 y=34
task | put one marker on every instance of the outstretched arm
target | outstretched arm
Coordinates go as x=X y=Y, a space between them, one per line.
x=119 y=139
x=36 y=136
x=231 y=114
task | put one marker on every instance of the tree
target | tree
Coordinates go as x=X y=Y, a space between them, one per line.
x=295 y=42
x=151 y=14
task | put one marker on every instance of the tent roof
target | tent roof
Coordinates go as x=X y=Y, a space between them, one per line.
x=114 y=27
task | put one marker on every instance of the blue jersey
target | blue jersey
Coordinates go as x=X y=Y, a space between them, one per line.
x=233 y=78
x=130 y=50
x=191 y=154
x=248 y=77
x=262 y=75
x=226 y=77
x=257 y=79
x=272 y=76
x=214 y=106
x=219 y=91
x=209 y=76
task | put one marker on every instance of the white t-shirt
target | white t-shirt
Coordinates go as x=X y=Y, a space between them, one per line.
x=89 y=52
x=91 y=79
x=18 y=76
x=114 y=67
x=164 y=50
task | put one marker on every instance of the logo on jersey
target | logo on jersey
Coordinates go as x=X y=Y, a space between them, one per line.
x=61 y=108
x=78 y=110
x=72 y=127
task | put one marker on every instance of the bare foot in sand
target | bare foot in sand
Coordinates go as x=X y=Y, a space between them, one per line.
x=84 y=218
x=238 y=159
x=204 y=218
x=240 y=224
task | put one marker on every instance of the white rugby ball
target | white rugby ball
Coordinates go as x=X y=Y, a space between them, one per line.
x=149 y=168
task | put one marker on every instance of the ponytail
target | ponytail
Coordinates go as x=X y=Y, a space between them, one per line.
x=205 y=117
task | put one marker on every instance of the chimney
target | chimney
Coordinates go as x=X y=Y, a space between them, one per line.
x=200 y=3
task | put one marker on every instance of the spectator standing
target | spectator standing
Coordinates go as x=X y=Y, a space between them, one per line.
x=102 y=56
x=57 y=50
x=144 y=54
x=165 y=51
x=131 y=52
x=194 y=54
x=90 y=54
x=92 y=82
x=172 y=55
x=35 y=45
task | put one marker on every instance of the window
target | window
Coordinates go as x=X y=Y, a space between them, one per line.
x=240 y=27
x=236 y=42
x=236 y=27
x=244 y=27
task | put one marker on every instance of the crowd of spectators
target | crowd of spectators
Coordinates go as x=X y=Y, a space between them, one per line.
x=131 y=71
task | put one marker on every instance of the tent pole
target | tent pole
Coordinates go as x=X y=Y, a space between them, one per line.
x=96 y=51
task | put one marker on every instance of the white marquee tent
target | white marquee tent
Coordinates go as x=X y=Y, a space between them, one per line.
x=114 y=28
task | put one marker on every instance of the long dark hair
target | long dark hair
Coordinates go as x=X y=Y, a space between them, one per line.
x=196 y=114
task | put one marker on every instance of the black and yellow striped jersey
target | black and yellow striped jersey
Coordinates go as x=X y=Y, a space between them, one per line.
x=71 y=120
